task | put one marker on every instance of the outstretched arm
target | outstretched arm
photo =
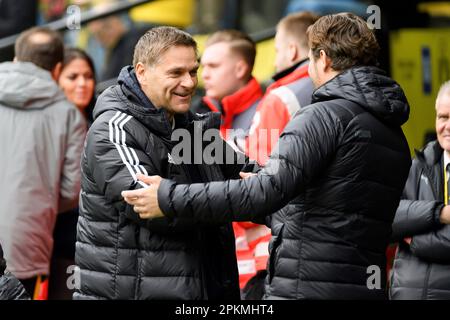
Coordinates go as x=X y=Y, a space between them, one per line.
x=304 y=150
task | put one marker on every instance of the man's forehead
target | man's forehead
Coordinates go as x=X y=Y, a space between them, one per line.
x=178 y=64
x=443 y=104
x=178 y=53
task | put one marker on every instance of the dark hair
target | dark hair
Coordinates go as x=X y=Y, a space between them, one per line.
x=156 y=41
x=240 y=43
x=71 y=54
x=41 y=46
x=346 y=39
x=296 y=25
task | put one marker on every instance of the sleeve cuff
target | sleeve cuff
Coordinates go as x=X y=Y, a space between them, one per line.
x=165 y=197
x=437 y=215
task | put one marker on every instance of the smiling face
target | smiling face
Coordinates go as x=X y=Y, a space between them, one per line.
x=77 y=82
x=171 y=81
x=443 y=121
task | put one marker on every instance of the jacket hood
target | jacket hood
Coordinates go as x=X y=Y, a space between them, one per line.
x=128 y=97
x=24 y=85
x=371 y=89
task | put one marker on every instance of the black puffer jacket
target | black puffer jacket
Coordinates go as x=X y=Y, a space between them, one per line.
x=121 y=256
x=341 y=164
x=422 y=269
x=10 y=286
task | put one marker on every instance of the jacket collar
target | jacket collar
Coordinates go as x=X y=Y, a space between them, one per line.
x=236 y=103
x=297 y=71
x=431 y=154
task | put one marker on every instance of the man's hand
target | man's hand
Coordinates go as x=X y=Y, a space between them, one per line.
x=245 y=175
x=145 y=201
x=445 y=215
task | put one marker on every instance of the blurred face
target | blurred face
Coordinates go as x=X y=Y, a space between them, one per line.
x=77 y=82
x=443 y=121
x=222 y=71
x=107 y=31
x=170 y=83
x=282 y=51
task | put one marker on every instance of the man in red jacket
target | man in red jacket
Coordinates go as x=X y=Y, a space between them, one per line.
x=292 y=88
x=231 y=89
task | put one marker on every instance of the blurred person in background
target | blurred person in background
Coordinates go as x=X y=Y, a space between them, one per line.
x=421 y=269
x=77 y=80
x=41 y=138
x=117 y=35
x=232 y=90
x=291 y=90
x=230 y=87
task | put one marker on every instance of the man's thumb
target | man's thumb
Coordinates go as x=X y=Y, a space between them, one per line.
x=245 y=175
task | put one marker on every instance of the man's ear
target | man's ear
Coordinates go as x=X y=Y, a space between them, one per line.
x=140 y=73
x=242 y=69
x=293 y=52
x=56 y=72
x=325 y=61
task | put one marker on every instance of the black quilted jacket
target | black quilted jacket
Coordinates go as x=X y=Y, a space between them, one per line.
x=422 y=269
x=335 y=179
x=122 y=256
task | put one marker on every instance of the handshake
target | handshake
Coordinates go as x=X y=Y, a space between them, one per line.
x=145 y=200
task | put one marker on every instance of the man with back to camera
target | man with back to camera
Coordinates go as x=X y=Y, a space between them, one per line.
x=41 y=138
x=348 y=142
x=227 y=64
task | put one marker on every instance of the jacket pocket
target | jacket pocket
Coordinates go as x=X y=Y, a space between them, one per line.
x=273 y=255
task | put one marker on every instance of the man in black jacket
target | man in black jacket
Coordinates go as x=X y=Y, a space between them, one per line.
x=421 y=226
x=120 y=255
x=336 y=176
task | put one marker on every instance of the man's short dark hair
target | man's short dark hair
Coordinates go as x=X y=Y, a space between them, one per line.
x=41 y=46
x=156 y=41
x=239 y=42
x=346 y=39
x=296 y=25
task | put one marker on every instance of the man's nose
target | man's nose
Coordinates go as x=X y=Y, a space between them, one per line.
x=205 y=73
x=189 y=81
x=81 y=81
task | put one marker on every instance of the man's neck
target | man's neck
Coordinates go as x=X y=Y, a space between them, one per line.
x=289 y=70
x=170 y=116
x=446 y=157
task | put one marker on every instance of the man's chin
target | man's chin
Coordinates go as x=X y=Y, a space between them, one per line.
x=182 y=108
